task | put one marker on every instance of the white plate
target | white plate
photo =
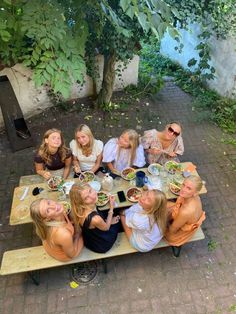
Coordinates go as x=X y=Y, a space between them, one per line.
x=95 y=185
x=154 y=169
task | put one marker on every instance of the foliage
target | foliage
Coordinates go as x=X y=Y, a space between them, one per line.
x=220 y=110
x=215 y=17
x=232 y=308
x=51 y=37
x=212 y=245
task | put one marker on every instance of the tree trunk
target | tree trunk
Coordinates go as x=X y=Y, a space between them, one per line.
x=105 y=94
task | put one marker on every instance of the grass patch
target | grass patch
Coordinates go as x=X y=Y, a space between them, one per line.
x=212 y=245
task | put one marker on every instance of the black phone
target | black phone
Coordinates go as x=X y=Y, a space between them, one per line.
x=121 y=196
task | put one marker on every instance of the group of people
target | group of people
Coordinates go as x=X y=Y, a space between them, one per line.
x=145 y=223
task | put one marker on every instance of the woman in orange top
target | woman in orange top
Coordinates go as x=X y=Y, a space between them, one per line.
x=186 y=214
x=55 y=230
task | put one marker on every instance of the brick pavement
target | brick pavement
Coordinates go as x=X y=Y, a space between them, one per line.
x=199 y=281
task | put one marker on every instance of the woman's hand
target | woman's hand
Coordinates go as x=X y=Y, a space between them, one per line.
x=112 y=201
x=47 y=175
x=77 y=169
x=172 y=154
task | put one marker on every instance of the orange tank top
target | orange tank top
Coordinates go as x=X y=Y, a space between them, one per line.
x=53 y=249
x=186 y=232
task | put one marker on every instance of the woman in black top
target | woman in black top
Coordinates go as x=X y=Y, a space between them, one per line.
x=99 y=234
x=53 y=157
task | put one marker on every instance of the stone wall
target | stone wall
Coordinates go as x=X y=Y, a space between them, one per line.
x=223 y=56
x=33 y=101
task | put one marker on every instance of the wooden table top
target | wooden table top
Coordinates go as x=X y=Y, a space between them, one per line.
x=20 y=209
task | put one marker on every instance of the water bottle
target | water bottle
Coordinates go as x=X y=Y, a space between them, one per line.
x=107 y=183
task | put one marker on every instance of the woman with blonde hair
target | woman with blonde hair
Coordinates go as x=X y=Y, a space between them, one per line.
x=99 y=229
x=86 y=151
x=55 y=230
x=145 y=222
x=186 y=214
x=125 y=151
x=162 y=146
x=53 y=157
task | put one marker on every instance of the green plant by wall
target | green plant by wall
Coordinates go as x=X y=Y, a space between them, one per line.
x=209 y=103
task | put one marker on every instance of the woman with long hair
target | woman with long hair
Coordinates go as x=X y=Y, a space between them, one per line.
x=165 y=145
x=186 y=215
x=53 y=157
x=99 y=230
x=55 y=229
x=125 y=151
x=86 y=150
x=145 y=222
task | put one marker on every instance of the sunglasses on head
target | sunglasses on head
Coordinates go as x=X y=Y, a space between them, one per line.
x=173 y=131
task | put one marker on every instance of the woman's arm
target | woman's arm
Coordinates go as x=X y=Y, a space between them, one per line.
x=97 y=163
x=76 y=166
x=67 y=167
x=39 y=167
x=179 y=222
x=112 y=168
x=98 y=222
x=71 y=247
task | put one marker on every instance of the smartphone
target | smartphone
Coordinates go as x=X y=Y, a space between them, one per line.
x=121 y=196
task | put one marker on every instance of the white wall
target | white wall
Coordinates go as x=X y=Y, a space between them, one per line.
x=223 y=56
x=32 y=101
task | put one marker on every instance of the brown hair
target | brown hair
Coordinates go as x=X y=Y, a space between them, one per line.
x=159 y=210
x=44 y=151
x=77 y=203
x=87 y=149
x=134 y=143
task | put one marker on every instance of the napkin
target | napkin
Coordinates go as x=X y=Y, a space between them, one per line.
x=190 y=168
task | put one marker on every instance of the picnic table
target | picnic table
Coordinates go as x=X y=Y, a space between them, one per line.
x=20 y=208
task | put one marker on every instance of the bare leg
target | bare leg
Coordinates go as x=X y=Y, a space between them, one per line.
x=128 y=230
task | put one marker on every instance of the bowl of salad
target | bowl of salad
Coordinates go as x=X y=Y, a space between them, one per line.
x=128 y=174
x=173 y=167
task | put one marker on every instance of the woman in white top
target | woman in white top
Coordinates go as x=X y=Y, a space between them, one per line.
x=125 y=151
x=86 y=151
x=145 y=222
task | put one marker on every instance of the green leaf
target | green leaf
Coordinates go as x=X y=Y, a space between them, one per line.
x=124 y=4
x=130 y=11
x=5 y=35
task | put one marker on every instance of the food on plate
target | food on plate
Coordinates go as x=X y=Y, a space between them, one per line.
x=175 y=187
x=133 y=194
x=173 y=167
x=103 y=198
x=154 y=169
x=55 y=182
x=86 y=176
x=67 y=207
x=128 y=173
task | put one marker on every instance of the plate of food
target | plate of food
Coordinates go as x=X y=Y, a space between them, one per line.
x=133 y=194
x=154 y=169
x=55 y=182
x=173 y=167
x=128 y=174
x=67 y=207
x=103 y=198
x=175 y=187
x=86 y=176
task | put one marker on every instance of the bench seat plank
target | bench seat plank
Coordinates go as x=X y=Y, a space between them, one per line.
x=35 y=258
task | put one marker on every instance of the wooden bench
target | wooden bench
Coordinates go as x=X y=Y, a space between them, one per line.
x=35 y=258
